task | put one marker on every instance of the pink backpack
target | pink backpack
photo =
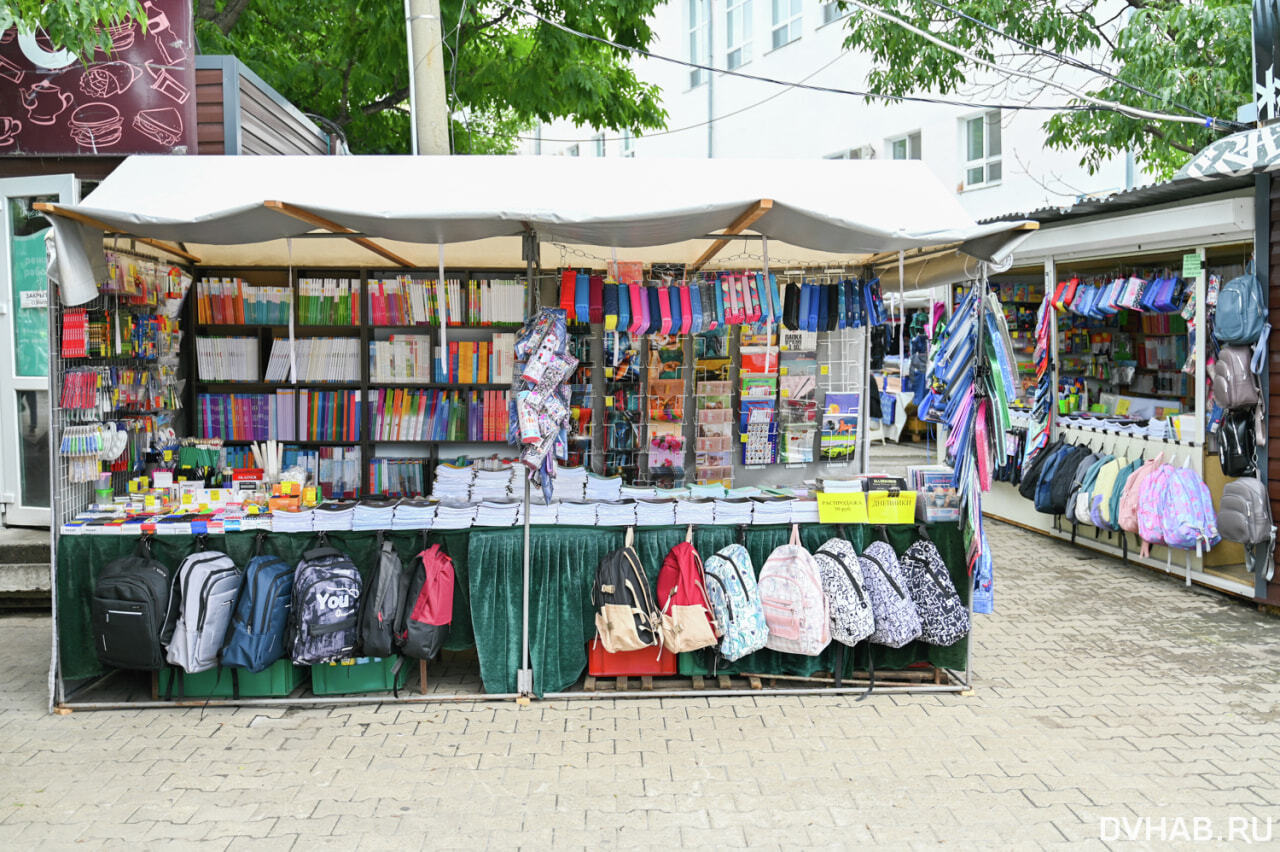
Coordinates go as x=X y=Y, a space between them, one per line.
x=1187 y=514
x=1150 y=504
x=795 y=607
x=1129 y=497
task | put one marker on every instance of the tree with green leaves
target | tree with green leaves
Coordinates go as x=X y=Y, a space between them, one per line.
x=1164 y=55
x=79 y=26
x=347 y=61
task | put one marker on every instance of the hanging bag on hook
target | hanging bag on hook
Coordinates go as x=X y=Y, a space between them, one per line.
x=852 y=619
x=380 y=608
x=128 y=609
x=261 y=619
x=428 y=604
x=326 y=607
x=688 y=622
x=873 y=301
x=627 y=619
x=795 y=607
x=897 y=621
x=944 y=619
x=205 y=590
x=735 y=602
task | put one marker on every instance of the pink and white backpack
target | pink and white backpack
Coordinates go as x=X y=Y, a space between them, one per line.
x=1187 y=512
x=1132 y=488
x=795 y=607
x=1150 y=506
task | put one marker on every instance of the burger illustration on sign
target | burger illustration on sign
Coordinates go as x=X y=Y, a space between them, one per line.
x=96 y=125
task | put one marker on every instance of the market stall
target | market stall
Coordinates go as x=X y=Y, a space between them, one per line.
x=339 y=257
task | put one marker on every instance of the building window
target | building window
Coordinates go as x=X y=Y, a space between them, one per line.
x=833 y=12
x=738 y=33
x=982 y=149
x=904 y=147
x=599 y=140
x=699 y=20
x=571 y=151
x=628 y=144
x=865 y=152
x=786 y=21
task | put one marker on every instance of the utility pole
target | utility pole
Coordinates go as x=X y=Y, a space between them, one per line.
x=427 y=98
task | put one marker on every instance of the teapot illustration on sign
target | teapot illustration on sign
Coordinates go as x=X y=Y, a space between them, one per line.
x=44 y=102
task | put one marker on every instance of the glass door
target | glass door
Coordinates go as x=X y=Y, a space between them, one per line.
x=25 y=448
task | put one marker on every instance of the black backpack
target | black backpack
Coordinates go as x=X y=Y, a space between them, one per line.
x=381 y=608
x=1031 y=478
x=128 y=608
x=1065 y=478
x=1237 y=447
x=427 y=613
x=627 y=618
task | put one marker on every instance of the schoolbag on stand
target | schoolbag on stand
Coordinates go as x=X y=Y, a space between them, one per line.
x=326 y=606
x=1129 y=499
x=1150 y=526
x=261 y=619
x=1100 y=496
x=205 y=591
x=627 y=618
x=382 y=605
x=128 y=608
x=794 y=606
x=1189 y=521
x=1079 y=509
x=897 y=621
x=852 y=619
x=688 y=622
x=1234 y=384
x=1241 y=311
x=1244 y=515
x=1237 y=444
x=428 y=604
x=944 y=620
x=735 y=601
x=1031 y=475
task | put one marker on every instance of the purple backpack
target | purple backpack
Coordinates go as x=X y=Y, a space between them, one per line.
x=1187 y=512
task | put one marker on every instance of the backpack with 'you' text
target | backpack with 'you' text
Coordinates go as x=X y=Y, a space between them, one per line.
x=326 y=607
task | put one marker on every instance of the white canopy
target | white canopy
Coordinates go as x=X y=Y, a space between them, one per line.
x=821 y=211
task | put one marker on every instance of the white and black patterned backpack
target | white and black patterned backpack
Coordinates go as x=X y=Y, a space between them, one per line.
x=897 y=621
x=944 y=620
x=851 y=616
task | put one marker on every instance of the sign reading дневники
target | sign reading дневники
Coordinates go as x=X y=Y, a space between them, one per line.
x=137 y=99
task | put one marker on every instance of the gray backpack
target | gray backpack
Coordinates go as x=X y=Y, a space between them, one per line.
x=851 y=617
x=897 y=621
x=1241 y=311
x=326 y=607
x=204 y=597
x=1244 y=514
x=944 y=620
x=1234 y=385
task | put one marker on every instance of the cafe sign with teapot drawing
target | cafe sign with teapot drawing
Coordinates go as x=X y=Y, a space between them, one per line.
x=137 y=99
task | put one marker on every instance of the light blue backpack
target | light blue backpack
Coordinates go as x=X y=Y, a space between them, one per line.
x=1186 y=511
x=1241 y=311
x=735 y=602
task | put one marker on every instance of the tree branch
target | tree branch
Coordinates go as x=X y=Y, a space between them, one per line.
x=1152 y=130
x=207 y=10
x=386 y=102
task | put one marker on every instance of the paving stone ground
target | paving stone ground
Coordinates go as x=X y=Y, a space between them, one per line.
x=1107 y=700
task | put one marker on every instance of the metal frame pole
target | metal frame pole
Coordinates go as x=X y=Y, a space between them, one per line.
x=524 y=677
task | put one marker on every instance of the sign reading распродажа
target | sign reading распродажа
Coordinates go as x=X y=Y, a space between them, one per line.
x=137 y=99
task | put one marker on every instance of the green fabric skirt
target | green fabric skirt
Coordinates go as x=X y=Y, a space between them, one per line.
x=488 y=590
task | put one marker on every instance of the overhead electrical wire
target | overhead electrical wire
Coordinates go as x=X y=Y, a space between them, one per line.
x=1078 y=63
x=814 y=88
x=1132 y=112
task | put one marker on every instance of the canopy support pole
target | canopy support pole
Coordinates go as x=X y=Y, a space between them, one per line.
x=745 y=220
x=75 y=216
x=524 y=677
x=329 y=225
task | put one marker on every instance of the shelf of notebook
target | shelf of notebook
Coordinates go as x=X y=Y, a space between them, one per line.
x=270 y=386
x=240 y=442
x=512 y=326
x=421 y=441
x=299 y=330
x=374 y=383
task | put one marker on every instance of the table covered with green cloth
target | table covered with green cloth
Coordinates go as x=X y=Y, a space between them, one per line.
x=562 y=619
x=81 y=557
x=488 y=565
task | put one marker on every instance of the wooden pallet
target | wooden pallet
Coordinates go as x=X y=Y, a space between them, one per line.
x=673 y=682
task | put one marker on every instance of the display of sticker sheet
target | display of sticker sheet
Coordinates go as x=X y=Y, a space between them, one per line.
x=666 y=453
x=666 y=400
x=540 y=398
x=666 y=357
x=839 y=426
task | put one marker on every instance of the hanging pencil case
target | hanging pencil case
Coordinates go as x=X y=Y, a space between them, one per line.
x=595 y=293
x=652 y=316
x=582 y=298
x=639 y=309
x=686 y=309
x=568 y=286
x=751 y=297
x=610 y=298
x=677 y=316
x=624 y=307
x=697 y=323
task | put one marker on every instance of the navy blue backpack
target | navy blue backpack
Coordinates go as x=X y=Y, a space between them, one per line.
x=258 y=627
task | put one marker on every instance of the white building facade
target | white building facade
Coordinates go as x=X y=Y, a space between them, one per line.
x=994 y=158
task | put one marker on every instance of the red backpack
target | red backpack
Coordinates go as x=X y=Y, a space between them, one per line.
x=428 y=605
x=687 y=621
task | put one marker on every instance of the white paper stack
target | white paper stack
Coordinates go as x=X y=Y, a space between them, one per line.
x=491 y=485
x=840 y=486
x=706 y=490
x=804 y=511
x=731 y=511
x=603 y=487
x=291 y=521
x=544 y=513
x=616 y=513
x=414 y=515
x=497 y=513
x=695 y=511
x=743 y=491
x=571 y=483
x=577 y=512
x=374 y=515
x=453 y=482
x=451 y=515
x=333 y=516
x=638 y=492
x=771 y=510
x=655 y=513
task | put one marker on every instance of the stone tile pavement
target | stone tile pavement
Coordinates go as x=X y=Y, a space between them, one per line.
x=1109 y=701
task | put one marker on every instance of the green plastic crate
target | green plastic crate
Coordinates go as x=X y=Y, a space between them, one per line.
x=278 y=679
x=362 y=674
